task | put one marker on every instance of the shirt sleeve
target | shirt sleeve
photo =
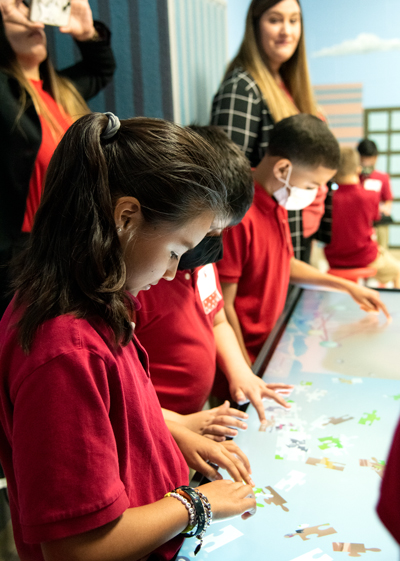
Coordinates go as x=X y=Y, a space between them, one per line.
x=386 y=191
x=64 y=449
x=237 y=108
x=236 y=246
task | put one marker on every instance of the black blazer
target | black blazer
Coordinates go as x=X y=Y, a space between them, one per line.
x=19 y=144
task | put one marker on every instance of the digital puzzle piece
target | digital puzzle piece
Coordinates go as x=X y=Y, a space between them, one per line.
x=369 y=419
x=349 y=381
x=260 y=494
x=267 y=426
x=353 y=549
x=315 y=395
x=378 y=467
x=338 y=420
x=226 y=535
x=310 y=556
x=276 y=499
x=319 y=530
x=295 y=478
x=337 y=446
x=326 y=462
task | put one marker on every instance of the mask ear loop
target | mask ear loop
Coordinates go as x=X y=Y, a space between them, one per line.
x=286 y=182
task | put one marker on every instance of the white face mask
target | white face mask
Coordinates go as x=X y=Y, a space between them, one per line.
x=294 y=198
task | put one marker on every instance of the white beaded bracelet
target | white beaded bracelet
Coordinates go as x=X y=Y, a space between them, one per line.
x=189 y=507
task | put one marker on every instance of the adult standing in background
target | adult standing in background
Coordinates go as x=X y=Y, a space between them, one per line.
x=37 y=106
x=267 y=81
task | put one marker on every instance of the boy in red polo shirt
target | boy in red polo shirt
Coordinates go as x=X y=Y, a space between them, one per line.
x=353 y=214
x=183 y=327
x=379 y=183
x=258 y=261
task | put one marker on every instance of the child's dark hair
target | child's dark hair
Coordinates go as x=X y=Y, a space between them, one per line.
x=74 y=262
x=367 y=148
x=305 y=140
x=235 y=170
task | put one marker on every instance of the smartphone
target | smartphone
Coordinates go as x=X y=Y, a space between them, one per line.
x=50 y=12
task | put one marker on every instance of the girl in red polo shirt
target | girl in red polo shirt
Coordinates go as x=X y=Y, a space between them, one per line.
x=89 y=460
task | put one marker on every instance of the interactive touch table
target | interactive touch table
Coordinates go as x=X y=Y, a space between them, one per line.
x=318 y=467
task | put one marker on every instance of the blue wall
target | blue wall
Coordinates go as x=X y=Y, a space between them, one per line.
x=140 y=39
x=330 y=23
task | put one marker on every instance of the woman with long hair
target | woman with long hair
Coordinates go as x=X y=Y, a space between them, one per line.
x=37 y=106
x=93 y=472
x=267 y=81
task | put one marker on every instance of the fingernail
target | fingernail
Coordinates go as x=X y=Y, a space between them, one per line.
x=233 y=433
x=244 y=426
x=252 y=483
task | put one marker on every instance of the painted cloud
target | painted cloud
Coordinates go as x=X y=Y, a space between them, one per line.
x=363 y=43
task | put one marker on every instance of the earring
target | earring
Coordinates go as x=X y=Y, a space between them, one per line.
x=119 y=230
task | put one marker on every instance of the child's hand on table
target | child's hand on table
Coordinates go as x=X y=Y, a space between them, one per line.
x=216 y=423
x=201 y=453
x=369 y=300
x=251 y=388
x=229 y=499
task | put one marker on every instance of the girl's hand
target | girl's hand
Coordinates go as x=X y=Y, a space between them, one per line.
x=252 y=388
x=229 y=499
x=217 y=423
x=203 y=454
x=14 y=11
x=80 y=24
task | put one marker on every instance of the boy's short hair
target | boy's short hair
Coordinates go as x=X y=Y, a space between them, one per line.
x=349 y=163
x=305 y=140
x=367 y=148
x=234 y=168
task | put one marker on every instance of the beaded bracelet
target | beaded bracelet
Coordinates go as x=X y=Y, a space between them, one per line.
x=199 y=507
x=189 y=507
x=204 y=517
x=208 y=513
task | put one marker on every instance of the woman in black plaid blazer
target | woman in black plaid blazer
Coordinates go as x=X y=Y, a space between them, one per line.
x=267 y=81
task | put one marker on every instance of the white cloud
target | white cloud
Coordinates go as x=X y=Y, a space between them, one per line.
x=363 y=43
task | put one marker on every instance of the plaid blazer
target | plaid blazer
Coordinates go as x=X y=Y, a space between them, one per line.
x=240 y=109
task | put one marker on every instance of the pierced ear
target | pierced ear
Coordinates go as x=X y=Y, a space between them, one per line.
x=127 y=214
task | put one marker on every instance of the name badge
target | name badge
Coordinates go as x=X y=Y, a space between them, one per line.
x=207 y=286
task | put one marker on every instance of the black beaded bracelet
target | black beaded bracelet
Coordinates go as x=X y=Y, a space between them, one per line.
x=199 y=507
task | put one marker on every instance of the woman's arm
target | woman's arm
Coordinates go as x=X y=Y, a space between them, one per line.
x=97 y=66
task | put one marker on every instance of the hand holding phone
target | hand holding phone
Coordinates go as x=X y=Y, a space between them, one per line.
x=17 y=12
x=51 y=12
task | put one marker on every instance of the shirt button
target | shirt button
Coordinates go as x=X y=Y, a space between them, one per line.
x=187 y=276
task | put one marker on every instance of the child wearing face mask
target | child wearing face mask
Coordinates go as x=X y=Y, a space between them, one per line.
x=354 y=211
x=258 y=261
x=183 y=326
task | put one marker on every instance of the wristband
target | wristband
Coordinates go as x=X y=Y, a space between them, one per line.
x=199 y=508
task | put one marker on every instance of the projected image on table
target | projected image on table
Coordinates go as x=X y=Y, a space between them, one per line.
x=318 y=466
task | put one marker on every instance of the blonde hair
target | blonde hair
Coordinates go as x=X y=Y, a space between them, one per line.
x=349 y=163
x=62 y=90
x=294 y=72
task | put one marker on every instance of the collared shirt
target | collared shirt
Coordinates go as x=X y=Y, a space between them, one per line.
x=257 y=254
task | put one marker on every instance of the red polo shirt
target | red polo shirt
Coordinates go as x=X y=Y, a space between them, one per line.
x=257 y=254
x=353 y=213
x=379 y=183
x=389 y=503
x=175 y=326
x=82 y=436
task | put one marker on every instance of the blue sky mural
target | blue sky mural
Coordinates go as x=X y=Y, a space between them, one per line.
x=347 y=41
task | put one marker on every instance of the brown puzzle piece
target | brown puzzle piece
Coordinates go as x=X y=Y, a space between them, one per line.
x=326 y=462
x=353 y=549
x=276 y=499
x=305 y=532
